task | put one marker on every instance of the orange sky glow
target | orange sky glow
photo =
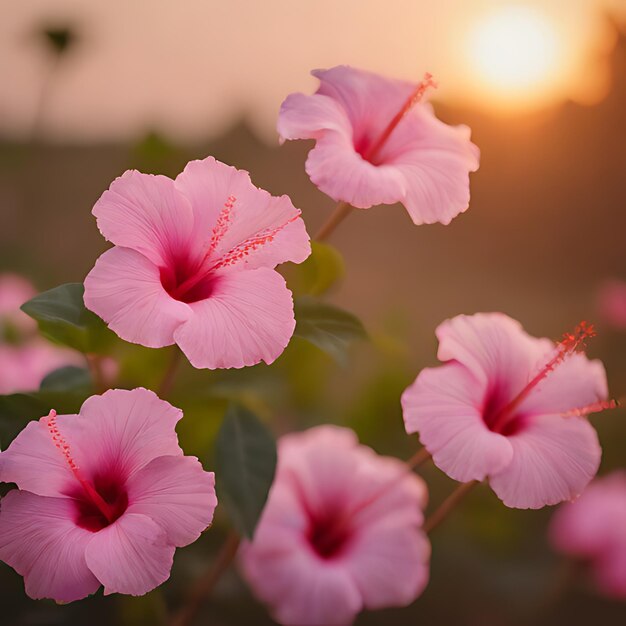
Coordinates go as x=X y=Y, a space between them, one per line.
x=191 y=68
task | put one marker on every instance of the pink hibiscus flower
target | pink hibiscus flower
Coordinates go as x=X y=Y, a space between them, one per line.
x=103 y=498
x=193 y=264
x=594 y=529
x=23 y=367
x=511 y=408
x=340 y=532
x=375 y=143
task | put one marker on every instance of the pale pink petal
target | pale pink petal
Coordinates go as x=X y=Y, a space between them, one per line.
x=208 y=184
x=435 y=160
x=130 y=556
x=444 y=406
x=301 y=590
x=248 y=318
x=390 y=564
x=146 y=213
x=370 y=100
x=35 y=463
x=305 y=117
x=554 y=458
x=124 y=430
x=177 y=493
x=575 y=383
x=341 y=173
x=494 y=348
x=38 y=538
x=124 y=289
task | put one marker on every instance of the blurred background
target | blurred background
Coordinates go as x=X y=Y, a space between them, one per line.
x=88 y=90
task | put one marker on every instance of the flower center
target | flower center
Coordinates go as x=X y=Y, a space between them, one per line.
x=185 y=281
x=98 y=503
x=328 y=536
x=370 y=150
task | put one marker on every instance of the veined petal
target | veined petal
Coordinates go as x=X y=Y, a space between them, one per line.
x=248 y=318
x=124 y=288
x=147 y=214
x=177 y=493
x=130 y=556
x=39 y=539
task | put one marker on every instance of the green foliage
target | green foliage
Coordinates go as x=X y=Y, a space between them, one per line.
x=63 y=318
x=59 y=39
x=318 y=273
x=245 y=467
x=328 y=327
x=70 y=378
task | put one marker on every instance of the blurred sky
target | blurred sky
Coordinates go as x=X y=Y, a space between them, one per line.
x=189 y=68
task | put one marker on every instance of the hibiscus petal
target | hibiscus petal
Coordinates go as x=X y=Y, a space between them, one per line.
x=33 y=461
x=247 y=319
x=304 y=117
x=494 y=348
x=443 y=406
x=146 y=213
x=131 y=556
x=554 y=458
x=341 y=173
x=39 y=539
x=177 y=493
x=435 y=160
x=208 y=184
x=575 y=383
x=301 y=589
x=125 y=430
x=124 y=288
x=389 y=564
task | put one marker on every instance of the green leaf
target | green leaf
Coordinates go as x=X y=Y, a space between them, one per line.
x=328 y=327
x=17 y=409
x=62 y=317
x=319 y=272
x=68 y=378
x=60 y=39
x=245 y=467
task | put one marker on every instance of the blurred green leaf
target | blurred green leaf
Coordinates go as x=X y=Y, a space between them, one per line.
x=68 y=378
x=245 y=467
x=319 y=272
x=17 y=409
x=62 y=317
x=328 y=327
x=149 y=609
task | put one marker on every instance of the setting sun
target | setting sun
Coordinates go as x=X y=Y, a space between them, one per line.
x=515 y=52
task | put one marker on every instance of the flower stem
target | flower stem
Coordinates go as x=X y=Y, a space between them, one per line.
x=94 y=362
x=418 y=459
x=446 y=507
x=342 y=210
x=170 y=374
x=203 y=587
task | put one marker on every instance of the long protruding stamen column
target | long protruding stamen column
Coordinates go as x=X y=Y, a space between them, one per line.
x=59 y=441
x=416 y=95
x=570 y=343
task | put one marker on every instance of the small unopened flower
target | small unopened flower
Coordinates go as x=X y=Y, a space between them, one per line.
x=593 y=529
x=511 y=408
x=193 y=264
x=104 y=498
x=377 y=143
x=341 y=532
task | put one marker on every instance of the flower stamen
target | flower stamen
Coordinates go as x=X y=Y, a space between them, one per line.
x=416 y=95
x=59 y=441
